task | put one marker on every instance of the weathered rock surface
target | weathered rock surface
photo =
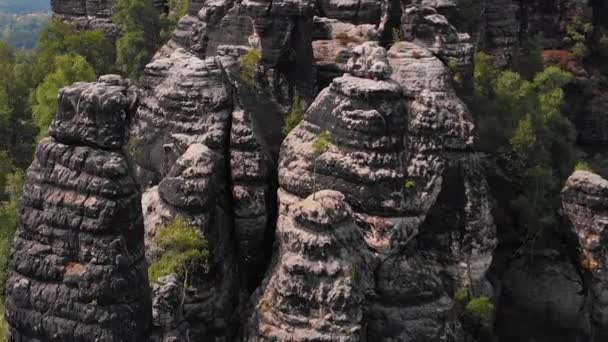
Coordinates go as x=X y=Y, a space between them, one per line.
x=185 y=100
x=318 y=282
x=78 y=270
x=585 y=202
x=281 y=30
x=367 y=161
x=443 y=175
x=92 y=14
x=194 y=190
x=427 y=28
x=542 y=297
x=501 y=29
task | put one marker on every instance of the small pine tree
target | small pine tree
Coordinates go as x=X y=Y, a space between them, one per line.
x=250 y=63
x=397 y=35
x=295 y=116
x=322 y=143
x=578 y=34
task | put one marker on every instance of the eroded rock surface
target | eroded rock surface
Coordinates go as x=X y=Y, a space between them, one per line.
x=585 y=202
x=318 y=282
x=78 y=270
x=92 y=14
x=367 y=159
x=193 y=190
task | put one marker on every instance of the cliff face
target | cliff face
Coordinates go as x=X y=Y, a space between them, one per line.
x=585 y=203
x=78 y=271
x=361 y=224
x=92 y=14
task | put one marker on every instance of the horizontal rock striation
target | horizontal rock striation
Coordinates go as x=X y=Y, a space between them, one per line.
x=78 y=270
x=93 y=14
x=585 y=202
x=355 y=139
x=280 y=30
x=194 y=191
x=206 y=144
x=318 y=282
x=501 y=29
x=185 y=100
x=427 y=28
x=443 y=175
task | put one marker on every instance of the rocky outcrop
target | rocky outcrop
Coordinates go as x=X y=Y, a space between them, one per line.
x=280 y=30
x=339 y=26
x=427 y=28
x=316 y=288
x=184 y=136
x=443 y=175
x=501 y=29
x=585 y=202
x=542 y=298
x=551 y=18
x=87 y=14
x=194 y=190
x=93 y=14
x=78 y=270
x=185 y=100
x=354 y=139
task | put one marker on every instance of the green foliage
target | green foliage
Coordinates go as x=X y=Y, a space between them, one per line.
x=168 y=22
x=482 y=309
x=578 y=36
x=410 y=184
x=68 y=69
x=178 y=8
x=453 y=65
x=16 y=130
x=397 y=35
x=322 y=143
x=521 y=123
x=597 y=163
x=485 y=74
x=142 y=26
x=250 y=63
x=295 y=116
x=4 y=327
x=134 y=148
x=183 y=249
x=8 y=221
x=22 y=31
x=6 y=168
x=475 y=313
x=583 y=166
x=132 y=55
x=454 y=70
x=462 y=296
x=59 y=38
x=95 y=47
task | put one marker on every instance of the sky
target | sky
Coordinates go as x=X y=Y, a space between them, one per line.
x=24 y=6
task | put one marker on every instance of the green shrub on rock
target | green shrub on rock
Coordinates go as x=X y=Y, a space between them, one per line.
x=184 y=249
x=250 y=63
x=295 y=116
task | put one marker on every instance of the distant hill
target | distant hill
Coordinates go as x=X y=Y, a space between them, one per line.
x=24 y=6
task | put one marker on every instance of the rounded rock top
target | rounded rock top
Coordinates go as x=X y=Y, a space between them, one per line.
x=325 y=208
x=369 y=60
